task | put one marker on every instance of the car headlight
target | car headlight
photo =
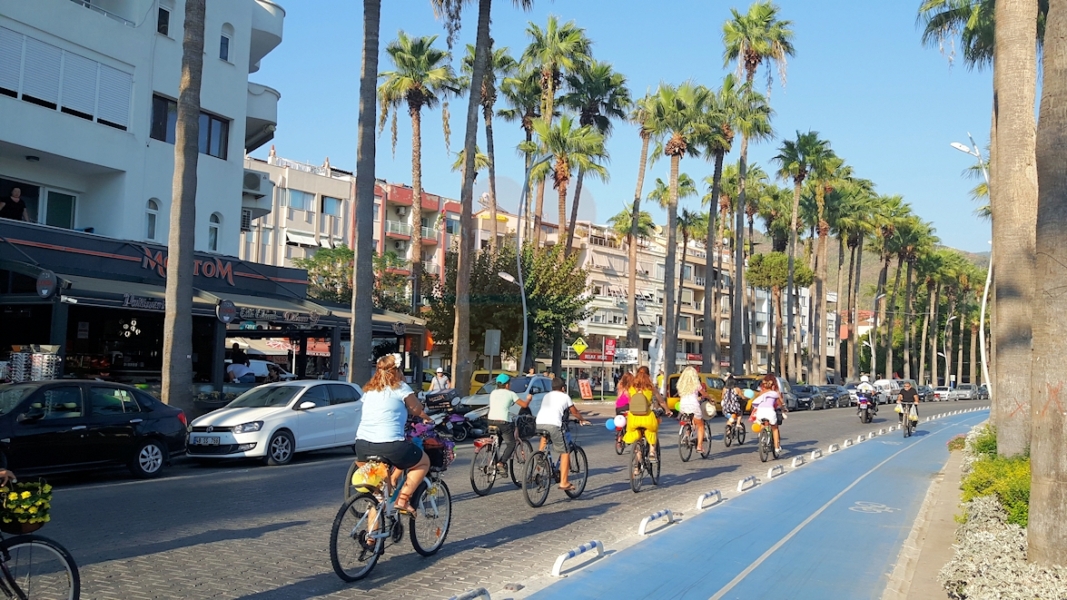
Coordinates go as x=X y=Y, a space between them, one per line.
x=248 y=427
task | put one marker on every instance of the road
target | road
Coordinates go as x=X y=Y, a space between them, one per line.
x=241 y=530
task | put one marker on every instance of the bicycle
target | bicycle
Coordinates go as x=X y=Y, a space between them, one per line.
x=620 y=445
x=487 y=455
x=908 y=426
x=541 y=471
x=369 y=519
x=33 y=566
x=766 y=441
x=641 y=463
x=736 y=430
x=687 y=437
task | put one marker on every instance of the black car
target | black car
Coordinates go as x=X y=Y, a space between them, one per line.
x=68 y=425
x=836 y=395
x=926 y=393
x=809 y=397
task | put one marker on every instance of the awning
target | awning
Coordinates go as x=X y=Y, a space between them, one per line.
x=111 y=293
x=275 y=310
x=300 y=238
x=261 y=347
x=325 y=242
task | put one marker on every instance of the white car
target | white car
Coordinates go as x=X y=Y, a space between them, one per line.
x=276 y=420
x=263 y=368
x=943 y=393
x=522 y=386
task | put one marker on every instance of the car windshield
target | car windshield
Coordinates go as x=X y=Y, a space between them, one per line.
x=11 y=395
x=518 y=384
x=266 y=396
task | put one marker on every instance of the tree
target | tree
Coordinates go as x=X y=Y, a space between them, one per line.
x=177 y=319
x=599 y=95
x=756 y=38
x=522 y=92
x=622 y=223
x=329 y=274
x=639 y=116
x=855 y=225
x=661 y=192
x=772 y=272
x=481 y=161
x=421 y=80
x=692 y=225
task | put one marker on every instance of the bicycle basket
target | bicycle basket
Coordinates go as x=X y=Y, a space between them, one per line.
x=440 y=458
x=25 y=507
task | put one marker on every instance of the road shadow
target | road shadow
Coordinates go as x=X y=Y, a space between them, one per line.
x=671 y=479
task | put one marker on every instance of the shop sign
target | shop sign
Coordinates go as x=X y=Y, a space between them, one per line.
x=609 y=347
x=590 y=356
x=399 y=328
x=142 y=303
x=226 y=311
x=211 y=268
x=262 y=314
x=626 y=356
x=46 y=284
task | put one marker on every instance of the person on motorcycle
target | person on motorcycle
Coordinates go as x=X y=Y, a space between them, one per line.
x=906 y=396
x=865 y=388
x=768 y=405
x=500 y=402
x=440 y=382
x=642 y=415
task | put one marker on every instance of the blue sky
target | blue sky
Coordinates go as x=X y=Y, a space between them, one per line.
x=860 y=78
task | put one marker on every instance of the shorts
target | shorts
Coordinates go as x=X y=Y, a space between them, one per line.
x=650 y=422
x=402 y=454
x=622 y=410
x=769 y=414
x=692 y=409
x=555 y=434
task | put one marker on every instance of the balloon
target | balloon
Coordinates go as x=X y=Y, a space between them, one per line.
x=750 y=394
x=610 y=424
x=620 y=421
x=676 y=404
x=756 y=427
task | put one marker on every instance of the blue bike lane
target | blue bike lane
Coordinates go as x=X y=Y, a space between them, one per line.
x=831 y=529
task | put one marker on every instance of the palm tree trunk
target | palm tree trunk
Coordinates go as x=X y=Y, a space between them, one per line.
x=709 y=360
x=922 y=349
x=854 y=342
x=574 y=211
x=491 y=155
x=178 y=319
x=959 y=351
x=822 y=322
x=416 y=208
x=750 y=292
x=561 y=198
x=633 y=333
x=972 y=375
x=839 y=354
x=461 y=355
x=359 y=361
x=717 y=292
x=681 y=281
x=670 y=336
x=908 y=325
x=949 y=347
x=890 y=320
x=934 y=310
x=1015 y=219
x=737 y=335
x=539 y=212
x=792 y=259
x=776 y=292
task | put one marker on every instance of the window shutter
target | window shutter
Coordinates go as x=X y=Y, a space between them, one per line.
x=10 y=59
x=113 y=99
x=79 y=83
x=42 y=71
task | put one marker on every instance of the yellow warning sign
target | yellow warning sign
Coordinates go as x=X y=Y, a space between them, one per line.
x=579 y=346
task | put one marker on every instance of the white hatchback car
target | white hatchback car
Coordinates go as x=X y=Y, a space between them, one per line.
x=537 y=386
x=276 y=420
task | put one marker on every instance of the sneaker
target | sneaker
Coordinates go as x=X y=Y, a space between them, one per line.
x=501 y=470
x=653 y=457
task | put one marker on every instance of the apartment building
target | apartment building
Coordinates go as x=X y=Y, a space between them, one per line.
x=88 y=92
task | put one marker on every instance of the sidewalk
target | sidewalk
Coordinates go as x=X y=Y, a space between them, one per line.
x=832 y=529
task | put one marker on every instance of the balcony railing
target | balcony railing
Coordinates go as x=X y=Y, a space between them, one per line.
x=604 y=242
x=429 y=232
x=701 y=281
x=397 y=227
x=88 y=4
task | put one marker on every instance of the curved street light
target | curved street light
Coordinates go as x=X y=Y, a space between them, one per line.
x=874 y=341
x=534 y=162
x=944 y=349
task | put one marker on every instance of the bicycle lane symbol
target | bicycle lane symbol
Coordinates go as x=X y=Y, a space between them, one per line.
x=871 y=508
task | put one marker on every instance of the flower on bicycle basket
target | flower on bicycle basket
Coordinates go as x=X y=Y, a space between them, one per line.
x=27 y=502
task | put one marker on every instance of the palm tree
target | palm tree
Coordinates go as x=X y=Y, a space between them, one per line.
x=501 y=65
x=692 y=225
x=522 y=91
x=914 y=246
x=795 y=159
x=854 y=226
x=680 y=115
x=177 y=318
x=573 y=147
x=891 y=213
x=906 y=236
x=755 y=38
x=661 y=191
x=481 y=161
x=827 y=171
x=639 y=116
x=622 y=223
x=599 y=95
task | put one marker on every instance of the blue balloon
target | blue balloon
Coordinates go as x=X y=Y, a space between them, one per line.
x=610 y=424
x=750 y=394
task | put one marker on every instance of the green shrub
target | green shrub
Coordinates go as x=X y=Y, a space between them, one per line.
x=957 y=443
x=1006 y=478
x=985 y=443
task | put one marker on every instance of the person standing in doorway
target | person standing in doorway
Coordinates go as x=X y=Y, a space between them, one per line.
x=14 y=208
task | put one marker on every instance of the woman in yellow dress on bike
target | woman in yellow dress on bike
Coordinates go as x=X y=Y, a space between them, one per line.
x=642 y=394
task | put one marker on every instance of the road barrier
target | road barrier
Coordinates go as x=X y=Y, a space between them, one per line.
x=701 y=498
x=798 y=461
x=750 y=479
x=860 y=439
x=816 y=454
x=775 y=471
x=881 y=432
x=471 y=595
x=644 y=522
x=580 y=550
x=872 y=434
x=847 y=443
x=833 y=448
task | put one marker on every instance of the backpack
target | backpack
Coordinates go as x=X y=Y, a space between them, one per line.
x=640 y=403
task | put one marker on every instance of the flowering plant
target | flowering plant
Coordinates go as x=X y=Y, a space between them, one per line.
x=26 y=503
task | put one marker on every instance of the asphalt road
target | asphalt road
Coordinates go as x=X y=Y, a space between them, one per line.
x=242 y=530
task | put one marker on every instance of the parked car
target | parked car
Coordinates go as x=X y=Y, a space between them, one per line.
x=713 y=382
x=264 y=368
x=68 y=425
x=851 y=387
x=982 y=393
x=965 y=391
x=537 y=386
x=926 y=393
x=942 y=393
x=837 y=396
x=888 y=389
x=482 y=377
x=809 y=397
x=276 y=420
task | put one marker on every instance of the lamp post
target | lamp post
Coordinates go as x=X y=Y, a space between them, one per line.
x=944 y=348
x=975 y=152
x=873 y=338
x=537 y=160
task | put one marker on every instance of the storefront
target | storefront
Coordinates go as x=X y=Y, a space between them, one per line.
x=102 y=301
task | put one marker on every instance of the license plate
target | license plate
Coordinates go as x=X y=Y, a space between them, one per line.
x=206 y=441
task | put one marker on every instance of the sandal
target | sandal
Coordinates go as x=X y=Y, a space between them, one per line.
x=405 y=509
x=570 y=488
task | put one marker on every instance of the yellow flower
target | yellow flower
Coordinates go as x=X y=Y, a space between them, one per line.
x=47 y=518
x=33 y=510
x=12 y=496
x=25 y=495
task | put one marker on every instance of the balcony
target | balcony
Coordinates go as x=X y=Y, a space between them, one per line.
x=261 y=118
x=115 y=10
x=429 y=266
x=267 y=21
x=429 y=235
x=398 y=229
x=700 y=281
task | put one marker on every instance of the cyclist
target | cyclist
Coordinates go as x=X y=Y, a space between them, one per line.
x=907 y=395
x=868 y=390
x=731 y=399
x=387 y=402
x=500 y=402
x=642 y=393
x=554 y=408
x=768 y=405
x=691 y=393
x=622 y=400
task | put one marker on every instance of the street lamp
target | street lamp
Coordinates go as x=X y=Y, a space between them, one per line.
x=944 y=347
x=873 y=340
x=975 y=152
x=534 y=162
x=507 y=277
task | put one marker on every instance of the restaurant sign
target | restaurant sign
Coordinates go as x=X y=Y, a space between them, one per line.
x=211 y=268
x=142 y=303
x=278 y=316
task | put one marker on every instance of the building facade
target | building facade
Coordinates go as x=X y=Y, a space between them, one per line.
x=88 y=92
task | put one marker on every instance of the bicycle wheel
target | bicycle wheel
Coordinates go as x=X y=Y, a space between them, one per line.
x=707 y=441
x=741 y=434
x=537 y=480
x=654 y=467
x=483 y=469
x=620 y=446
x=37 y=567
x=685 y=442
x=728 y=435
x=522 y=454
x=357 y=537
x=764 y=445
x=637 y=465
x=433 y=516
x=579 y=472
x=350 y=490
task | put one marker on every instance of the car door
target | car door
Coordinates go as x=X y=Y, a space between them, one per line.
x=539 y=386
x=344 y=398
x=114 y=421
x=50 y=430
x=313 y=427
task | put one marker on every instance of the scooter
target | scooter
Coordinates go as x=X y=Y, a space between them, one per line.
x=865 y=408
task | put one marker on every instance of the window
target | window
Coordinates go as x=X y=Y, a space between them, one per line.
x=151 y=213
x=377 y=212
x=316 y=394
x=683 y=324
x=112 y=401
x=214 y=131
x=58 y=403
x=59 y=210
x=342 y=394
x=452 y=226
x=224 y=47
x=163 y=21
x=298 y=200
x=213 y=226
x=264 y=237
x=331 y=206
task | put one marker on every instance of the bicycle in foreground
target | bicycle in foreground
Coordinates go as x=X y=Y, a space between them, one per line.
x=641 y=463
x=33 y=566
x=909 y=420
x=734 y=431
x=542 y=472
x=687 y=437
x=488 y=451
x=766 y=441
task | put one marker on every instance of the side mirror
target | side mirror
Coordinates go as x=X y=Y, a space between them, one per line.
x=307 y=405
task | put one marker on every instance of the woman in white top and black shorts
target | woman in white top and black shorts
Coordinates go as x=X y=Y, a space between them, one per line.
x=387 y=402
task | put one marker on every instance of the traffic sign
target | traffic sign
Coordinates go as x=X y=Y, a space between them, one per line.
x=579 y=346
x=609 y=347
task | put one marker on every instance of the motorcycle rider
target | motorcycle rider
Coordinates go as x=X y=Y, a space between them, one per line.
x=865 y=388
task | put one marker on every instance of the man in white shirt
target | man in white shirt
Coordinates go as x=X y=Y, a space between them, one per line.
x=500 y=402
x=239 y=373
x=554 y=406
x=440 y=382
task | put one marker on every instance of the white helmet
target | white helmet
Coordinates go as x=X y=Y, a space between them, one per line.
x=865 y=379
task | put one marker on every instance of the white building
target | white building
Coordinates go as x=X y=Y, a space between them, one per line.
x=87 y=113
